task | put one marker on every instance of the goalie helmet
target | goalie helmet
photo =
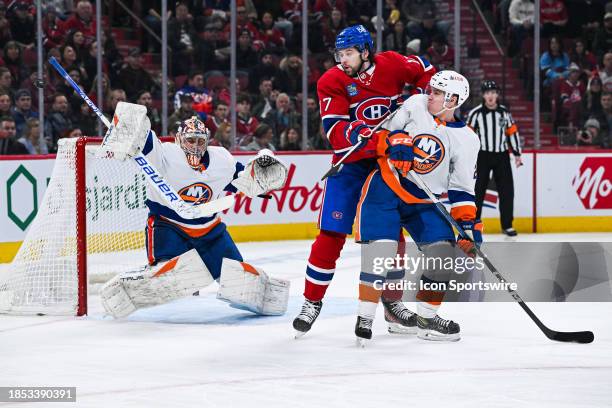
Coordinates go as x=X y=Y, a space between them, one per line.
x=452 y=83
x=192 y=136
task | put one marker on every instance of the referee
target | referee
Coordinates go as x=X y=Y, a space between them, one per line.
x=498 y=138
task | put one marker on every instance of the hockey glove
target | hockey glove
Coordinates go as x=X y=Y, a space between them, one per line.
x=358 y=133
x=399 y=150
x=263 y=173
x=474 y=230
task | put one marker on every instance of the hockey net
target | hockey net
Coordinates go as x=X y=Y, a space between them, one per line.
x=89 y=227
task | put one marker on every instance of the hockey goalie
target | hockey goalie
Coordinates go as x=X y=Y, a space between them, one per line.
x=186 y=255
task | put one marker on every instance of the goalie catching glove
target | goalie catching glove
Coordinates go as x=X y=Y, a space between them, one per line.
x=128 y=132
x=263 y=173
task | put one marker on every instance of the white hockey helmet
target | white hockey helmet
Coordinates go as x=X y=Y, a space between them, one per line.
x=452 y=83
x=193 y=136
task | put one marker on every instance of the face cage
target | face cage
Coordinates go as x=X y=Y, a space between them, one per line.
x=193 y=153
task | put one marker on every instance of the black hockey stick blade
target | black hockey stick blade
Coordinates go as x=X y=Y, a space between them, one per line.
x=333 y=170
x=583 y=337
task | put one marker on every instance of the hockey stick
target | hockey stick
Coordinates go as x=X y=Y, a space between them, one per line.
x=335 y=168
x=153 y=177
x=569 y=337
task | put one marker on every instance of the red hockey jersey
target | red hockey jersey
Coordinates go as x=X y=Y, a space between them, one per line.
x=369 y=97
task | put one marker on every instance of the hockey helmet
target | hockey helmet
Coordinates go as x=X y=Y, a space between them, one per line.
x=452 y=83
x=192 y=136
x=488 y=85
x=354 y=36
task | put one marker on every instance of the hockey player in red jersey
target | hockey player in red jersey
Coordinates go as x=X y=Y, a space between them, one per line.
x=355 y=96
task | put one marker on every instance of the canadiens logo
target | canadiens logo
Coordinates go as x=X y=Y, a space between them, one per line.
x=373 y=110
x=196 y=192
x=352 y=89
x=337 y=215
x=428 y=153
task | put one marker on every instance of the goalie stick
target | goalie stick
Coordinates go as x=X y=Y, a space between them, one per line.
x=568 y=337
x=153 y=177
x=335 y=168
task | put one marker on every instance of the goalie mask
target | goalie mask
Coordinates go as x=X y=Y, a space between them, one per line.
x=193 y=136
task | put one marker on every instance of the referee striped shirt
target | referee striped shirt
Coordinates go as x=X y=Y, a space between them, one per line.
x=496 y=129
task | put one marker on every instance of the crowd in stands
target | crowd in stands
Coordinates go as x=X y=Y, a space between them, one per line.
x=269 y=64
x=575 y=62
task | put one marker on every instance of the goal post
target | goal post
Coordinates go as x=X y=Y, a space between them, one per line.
x=89 y=227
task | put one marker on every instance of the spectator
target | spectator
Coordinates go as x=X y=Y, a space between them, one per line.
x=70 y=62
x=290 y=139
x=440 y=54
x=246 y=56
x=23 y=28
x=282 y=117
x=553 y=17
x=57 y=120
x=52 y=29
x=264 y=103
x=264 y=69
x=22 y=110
x=521 y=15
x=76 y=40
x=315 y=139
x=206 y=56
x=583 y=58
x=592 y=98
x=82 y=20
x=31 y=138
x=202 y=101
x=586 y=18
x=72 y=132
x=242 y=23
x=262 y=139
x=86 y=120
x=422 y=12
x=246 y=123
x=133 y=78
x=5 y=103
x=602 y=43
x=6 y=80
x=184 y=112
x=426 y=30
x=398 y=38
x=331 y=28
x=144 y=98
x=14 y=62
x=554 y=62
x=271 y=37
x=181 y=34
x=5 y=25
x=116 y=96
x=8 y=137
x=326 y=6
x=605 y=72
x=48 y=89
x=63 y=7
x=604 y=117
x=223 y=136
x=589 y=134
x=219 y=116
x=106 y=91
x=290 y=78
x=572 y=92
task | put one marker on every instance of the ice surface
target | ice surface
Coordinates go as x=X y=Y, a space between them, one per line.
x=198 y=352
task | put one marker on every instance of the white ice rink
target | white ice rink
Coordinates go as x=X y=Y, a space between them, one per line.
x=198 y=352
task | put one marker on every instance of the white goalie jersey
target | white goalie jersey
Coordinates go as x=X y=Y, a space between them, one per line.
x=445 y=154
x=218 y=170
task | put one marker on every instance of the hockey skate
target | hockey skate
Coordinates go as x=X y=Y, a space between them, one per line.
x=363 y=330
x=400 y=319
x=437 y=329
x=510 y=234
x=304 y=321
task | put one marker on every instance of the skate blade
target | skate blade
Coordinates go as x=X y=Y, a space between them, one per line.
x=432 y=336
x=510 y=239
x=396 y=328
x=360 y=342
x=298 y=334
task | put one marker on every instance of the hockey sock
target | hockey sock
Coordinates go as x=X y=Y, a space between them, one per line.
x=324 y=253
x=428 y=298
x=392 y=293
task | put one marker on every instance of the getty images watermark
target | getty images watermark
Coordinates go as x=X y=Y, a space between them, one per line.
x=448 y=265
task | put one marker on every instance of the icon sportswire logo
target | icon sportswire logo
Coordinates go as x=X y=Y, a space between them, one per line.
x=593 y=183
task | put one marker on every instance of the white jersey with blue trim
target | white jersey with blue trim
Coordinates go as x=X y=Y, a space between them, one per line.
x=212 y=180
x=445 y=152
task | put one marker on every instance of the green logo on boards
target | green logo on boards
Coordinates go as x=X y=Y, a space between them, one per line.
x=21 y=172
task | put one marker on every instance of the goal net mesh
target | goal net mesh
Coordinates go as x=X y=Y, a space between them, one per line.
x=43 y=277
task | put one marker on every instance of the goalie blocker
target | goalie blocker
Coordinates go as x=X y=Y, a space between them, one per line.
x=242 y=285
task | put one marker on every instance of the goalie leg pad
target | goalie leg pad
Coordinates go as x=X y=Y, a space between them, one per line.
x=248 y=288
x=179 y=277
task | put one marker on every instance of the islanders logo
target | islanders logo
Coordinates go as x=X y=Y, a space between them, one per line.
x=373 y=110
x=428 y=153
x=196 y=192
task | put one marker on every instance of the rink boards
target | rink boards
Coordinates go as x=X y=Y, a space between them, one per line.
x=555 y=191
